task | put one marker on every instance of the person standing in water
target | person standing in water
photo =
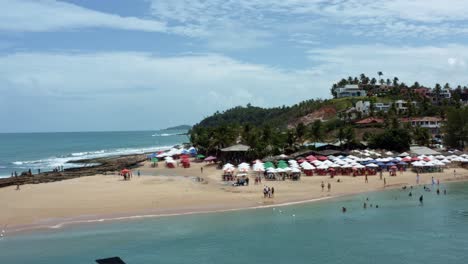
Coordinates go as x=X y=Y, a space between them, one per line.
x=421 y=198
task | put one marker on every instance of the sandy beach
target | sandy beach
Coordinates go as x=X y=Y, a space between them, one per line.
x=163 y=191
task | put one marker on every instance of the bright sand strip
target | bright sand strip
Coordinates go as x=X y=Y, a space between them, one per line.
x=176 y=192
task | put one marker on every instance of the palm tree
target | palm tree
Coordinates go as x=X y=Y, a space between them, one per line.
x=395 y=81
x=380 y=75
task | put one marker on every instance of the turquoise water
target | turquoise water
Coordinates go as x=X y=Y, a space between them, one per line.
x=45 y=151
x=399 y=231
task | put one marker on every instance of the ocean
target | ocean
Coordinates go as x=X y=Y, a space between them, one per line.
x=399 y=231
x=45 y=151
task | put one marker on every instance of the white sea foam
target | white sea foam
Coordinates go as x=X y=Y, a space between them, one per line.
x=67 y=161
x=165 y=134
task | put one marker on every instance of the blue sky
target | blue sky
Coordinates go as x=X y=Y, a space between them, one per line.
x=148 y=64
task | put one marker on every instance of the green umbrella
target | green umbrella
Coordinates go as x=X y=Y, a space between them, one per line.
x=154 y=160
x=200 y=156
x=282 y=165
x=268 y=164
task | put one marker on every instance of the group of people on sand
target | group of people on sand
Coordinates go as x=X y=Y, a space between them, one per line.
x=323 y=186
x=268 y=192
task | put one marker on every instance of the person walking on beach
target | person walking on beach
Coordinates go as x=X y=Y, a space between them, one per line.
x=272 y=191
x=323 y=186
x=380 y=174
x=384 y=182
x=454 y=173
x=329 y=187
x=417 y=177
x=201 y=170
x=138 y=173
x=366 y=179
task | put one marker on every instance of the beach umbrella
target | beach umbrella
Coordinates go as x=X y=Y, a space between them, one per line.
x=322 y=158
x=372 y=165
x=322 y=167
x=269 y=164
x=359 y=166
x=295 y=170
x=414 y=159
x=381 y=164
x=200 y=156
x=391 y=164
x=407 y=159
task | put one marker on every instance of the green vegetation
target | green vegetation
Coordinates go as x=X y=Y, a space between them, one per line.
x=272 y=131
x=456 y=128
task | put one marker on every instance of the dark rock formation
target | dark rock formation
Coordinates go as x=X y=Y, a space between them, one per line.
x=102 y=166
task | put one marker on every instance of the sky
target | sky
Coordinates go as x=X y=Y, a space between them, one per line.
x=88 y=65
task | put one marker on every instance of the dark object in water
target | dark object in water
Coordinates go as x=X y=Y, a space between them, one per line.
x=113 y=260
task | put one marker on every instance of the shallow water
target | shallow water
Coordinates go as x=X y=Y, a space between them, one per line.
x=399 y=231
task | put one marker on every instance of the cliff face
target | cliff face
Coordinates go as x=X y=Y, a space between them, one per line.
x=110 y=164
x=323 y=114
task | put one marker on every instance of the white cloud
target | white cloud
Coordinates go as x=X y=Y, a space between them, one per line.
x=113 y=74
x=99 y=90
x=50 y=15
x=426 y=64
x=372 y=18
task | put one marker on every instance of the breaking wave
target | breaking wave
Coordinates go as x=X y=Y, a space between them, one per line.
x=67 y=160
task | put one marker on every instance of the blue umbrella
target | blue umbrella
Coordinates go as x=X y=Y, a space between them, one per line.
x=402 y=163
x=391 y=164
x=381 y=164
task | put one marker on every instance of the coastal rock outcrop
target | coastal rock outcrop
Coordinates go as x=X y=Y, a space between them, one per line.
x=98 y=166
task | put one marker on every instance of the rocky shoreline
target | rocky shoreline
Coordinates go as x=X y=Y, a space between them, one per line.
x=101 y=166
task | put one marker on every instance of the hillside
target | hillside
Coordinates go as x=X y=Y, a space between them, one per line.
x=282 y=117
x=181 y=127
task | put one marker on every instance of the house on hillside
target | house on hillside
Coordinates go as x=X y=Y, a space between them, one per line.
x=382 y=107
x=363 y=107
x=433 y=124
x=423 y=92
x=350 y=90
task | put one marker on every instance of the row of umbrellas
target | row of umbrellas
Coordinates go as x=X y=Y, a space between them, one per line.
x=347 y=162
